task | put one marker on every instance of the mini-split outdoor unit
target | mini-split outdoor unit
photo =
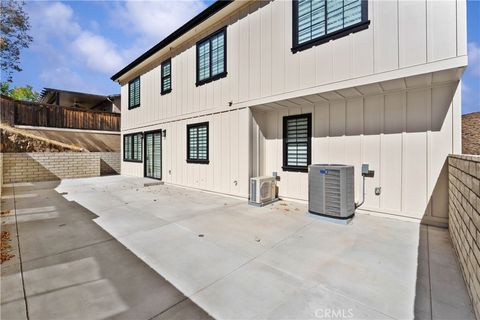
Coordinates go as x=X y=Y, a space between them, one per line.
x=262 y=190
x=331 y=190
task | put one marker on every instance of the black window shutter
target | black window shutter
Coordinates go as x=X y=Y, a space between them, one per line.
x=297 y=134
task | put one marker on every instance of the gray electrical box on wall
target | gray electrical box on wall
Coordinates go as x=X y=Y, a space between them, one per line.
x=331 y=190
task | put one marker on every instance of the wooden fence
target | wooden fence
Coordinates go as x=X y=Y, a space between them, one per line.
x=16 y=112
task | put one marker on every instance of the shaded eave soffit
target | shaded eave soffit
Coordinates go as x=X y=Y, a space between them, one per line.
x=433 y=79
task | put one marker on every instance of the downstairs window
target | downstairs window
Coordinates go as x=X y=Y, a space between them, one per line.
x=297 y=136
x=132 y=147
x=197 y=143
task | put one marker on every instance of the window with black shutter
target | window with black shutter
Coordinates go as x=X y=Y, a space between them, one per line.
x=132 y=147
x=166 y=77
x=134 y=93
x=212 y=57
x=319 y=21
x=297 y=136
x=197 y=143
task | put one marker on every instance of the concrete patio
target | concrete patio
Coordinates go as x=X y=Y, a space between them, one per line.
x=236 y=261
x=69 y=268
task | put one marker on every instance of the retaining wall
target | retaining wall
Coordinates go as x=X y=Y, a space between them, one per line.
x=464 y=219
x=46 y=166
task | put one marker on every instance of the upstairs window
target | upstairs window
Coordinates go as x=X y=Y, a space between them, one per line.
x=132 y=147
x=166 y=76
x=319 y=21
x=134 y=93
x=297 y=135
x=212 y=57
x=197 y=143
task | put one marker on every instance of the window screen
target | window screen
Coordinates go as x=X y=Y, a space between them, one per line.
x=166 y=76
x=218 y=53
x=211 y=57
x=204 y=61
x=297 y=132
x=132 y=147
x=319 y=19
x=197 y=142
x=134 y=93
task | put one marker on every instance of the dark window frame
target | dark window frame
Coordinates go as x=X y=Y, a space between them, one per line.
x=296 y=47
x=130 y=83
x=162 y=90
x=145 y=153
x=196 y=125
x=285 y=166
x=197 y=67
x=130 y=136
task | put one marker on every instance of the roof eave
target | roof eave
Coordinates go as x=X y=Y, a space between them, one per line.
x=195 y=21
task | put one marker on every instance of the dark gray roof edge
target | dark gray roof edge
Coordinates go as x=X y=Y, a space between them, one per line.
x=47 y=90
x=195 y=21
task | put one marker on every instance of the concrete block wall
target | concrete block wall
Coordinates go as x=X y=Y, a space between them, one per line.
x=464 y=219
x=109 y=163
x=47 y=166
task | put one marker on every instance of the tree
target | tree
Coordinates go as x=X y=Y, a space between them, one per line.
x=5 y=88
x=19 y=93
x=24 y=93
x=14 y=27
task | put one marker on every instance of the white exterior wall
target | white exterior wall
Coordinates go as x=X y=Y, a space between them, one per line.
x=405 y=136
x=229 y=154
x=393 y=132
x=260 y=65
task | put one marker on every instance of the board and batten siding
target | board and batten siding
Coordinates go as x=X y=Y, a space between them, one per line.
x=405 y=137
x=229 y=154
x=402 y=35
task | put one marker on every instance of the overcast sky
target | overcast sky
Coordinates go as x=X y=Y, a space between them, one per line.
x=78 y=45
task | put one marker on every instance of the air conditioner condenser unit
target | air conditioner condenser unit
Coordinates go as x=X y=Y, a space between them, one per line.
x=331 y=190
x=262 y=190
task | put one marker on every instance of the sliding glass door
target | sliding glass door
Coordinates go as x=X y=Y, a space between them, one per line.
x=153 y=154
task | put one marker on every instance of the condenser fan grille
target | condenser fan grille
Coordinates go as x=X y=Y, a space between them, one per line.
x=332 y=193
x=265 y=190
x=331 y=190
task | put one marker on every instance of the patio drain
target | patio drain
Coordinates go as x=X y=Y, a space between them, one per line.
x=201 y=235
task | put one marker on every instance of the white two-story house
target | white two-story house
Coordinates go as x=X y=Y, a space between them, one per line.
x=249 y=88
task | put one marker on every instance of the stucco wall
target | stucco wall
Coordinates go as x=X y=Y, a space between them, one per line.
x=464 y=223
x=46 y=166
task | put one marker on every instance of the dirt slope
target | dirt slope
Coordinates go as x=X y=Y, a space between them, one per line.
x=471 y=133
x=18 y=140
x=93 y=142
